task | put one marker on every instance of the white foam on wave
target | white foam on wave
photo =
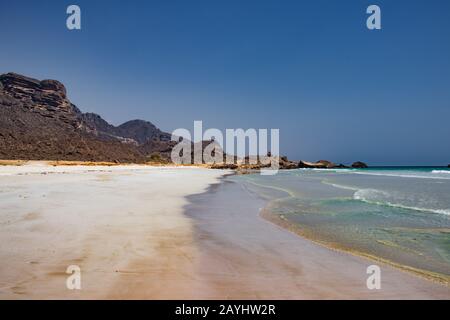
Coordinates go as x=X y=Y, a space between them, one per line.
x=370 y=196
x=326 y=170
x=339 y=186
x=425 y=175
x=440 y=171
x=434 y=174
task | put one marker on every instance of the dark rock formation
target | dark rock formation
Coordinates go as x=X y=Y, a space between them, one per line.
x=163 y=148
x=252 y=164
x=326 y=164
x=318 y=165
x=287 y=164
x=47 y=97
x=342 y=166
x=321 y=164
x=29 y=135
x=359 y=165
x=142 y=131
x=231 y=166
x=98 y=125
x=38 y=122
x=138 y=132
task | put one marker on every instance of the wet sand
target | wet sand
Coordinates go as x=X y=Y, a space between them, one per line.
x=243 y=256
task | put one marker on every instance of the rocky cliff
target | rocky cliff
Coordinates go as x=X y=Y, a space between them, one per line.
x=38 y=121
x=47 y=98
x=138 y=132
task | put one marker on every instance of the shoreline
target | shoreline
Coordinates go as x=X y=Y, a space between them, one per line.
x=245 y=256
x=183 y=233
x=290 y=226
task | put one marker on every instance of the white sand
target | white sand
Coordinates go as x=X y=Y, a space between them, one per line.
x=99 y=218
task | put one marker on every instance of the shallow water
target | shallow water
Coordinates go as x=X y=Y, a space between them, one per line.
x=398 y=214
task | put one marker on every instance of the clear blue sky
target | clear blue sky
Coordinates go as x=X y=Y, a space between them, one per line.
x=310 y=68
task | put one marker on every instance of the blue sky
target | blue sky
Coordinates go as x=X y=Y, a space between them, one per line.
x=310 y=68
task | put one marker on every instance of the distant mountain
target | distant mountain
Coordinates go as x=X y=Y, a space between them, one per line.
x=139 y=131
x=37 y=121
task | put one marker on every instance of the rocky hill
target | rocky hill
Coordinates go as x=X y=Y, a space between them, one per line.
x=38 y=122
x=138 y=132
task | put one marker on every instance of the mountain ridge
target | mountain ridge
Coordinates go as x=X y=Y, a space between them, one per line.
x=39 y=122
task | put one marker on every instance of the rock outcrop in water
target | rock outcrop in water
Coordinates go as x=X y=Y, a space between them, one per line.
x=359 y=165
x=321 y=164
x=325 y=164
x=306 y=164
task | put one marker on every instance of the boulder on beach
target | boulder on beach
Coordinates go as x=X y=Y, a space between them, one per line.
x=285 y=163
x=231 y=166
x=321 y=164
x=326 y=163
x=306 y=164
x=359 y=165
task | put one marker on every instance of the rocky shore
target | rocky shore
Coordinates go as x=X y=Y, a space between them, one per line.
x=39 y=122
x=325 y=164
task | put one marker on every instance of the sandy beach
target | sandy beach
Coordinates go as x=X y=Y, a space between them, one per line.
x=140 y=232
x=99 y=218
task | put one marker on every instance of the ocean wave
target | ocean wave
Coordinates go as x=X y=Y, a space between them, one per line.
x=425 y=175
x=434 y=174
x=339 y=186
x=441 y=171
x=326 y=170
x=372 y=196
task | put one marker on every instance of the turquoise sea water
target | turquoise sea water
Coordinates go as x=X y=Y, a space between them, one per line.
x=401 y=214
